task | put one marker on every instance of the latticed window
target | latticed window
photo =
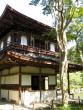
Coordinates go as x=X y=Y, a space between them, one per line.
x=24 y=40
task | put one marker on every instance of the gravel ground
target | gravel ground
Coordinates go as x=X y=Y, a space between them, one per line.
x=37 y=106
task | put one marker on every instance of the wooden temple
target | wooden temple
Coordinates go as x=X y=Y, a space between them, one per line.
x=29 y=59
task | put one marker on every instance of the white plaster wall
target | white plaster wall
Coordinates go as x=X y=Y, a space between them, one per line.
x=48 y=96
x=48 y=70
x=10 y=79
x=52 y=80
x=14 y=70
x=4 y=94
x=30 y=69
x=26 y=79
x=30 y=97
x=14 y=95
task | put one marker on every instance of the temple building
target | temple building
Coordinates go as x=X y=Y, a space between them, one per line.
x=29 y=59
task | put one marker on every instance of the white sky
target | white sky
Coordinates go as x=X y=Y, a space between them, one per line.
x=23 y=7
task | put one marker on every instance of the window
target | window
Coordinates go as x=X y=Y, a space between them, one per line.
x=39 y=43
x=52 y=47
x=32 y=41
x=23 y=40
x=8 y=40
x=56 y=47
x=39 y=82
x=1 y=46
x=46 y=45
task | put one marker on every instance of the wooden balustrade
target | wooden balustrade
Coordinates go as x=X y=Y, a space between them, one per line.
x=31 y=49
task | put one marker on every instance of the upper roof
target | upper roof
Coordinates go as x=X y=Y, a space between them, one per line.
x=12 y=19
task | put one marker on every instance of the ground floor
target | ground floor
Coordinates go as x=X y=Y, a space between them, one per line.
x=28 y=84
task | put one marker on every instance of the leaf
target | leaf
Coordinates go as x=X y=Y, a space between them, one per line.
x=34 y=2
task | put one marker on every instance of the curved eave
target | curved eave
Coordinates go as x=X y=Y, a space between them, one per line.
x=12 y=18
x=75 y=67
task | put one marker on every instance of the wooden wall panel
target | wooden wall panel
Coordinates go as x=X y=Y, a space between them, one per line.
x=3 y=80
x=4 y=94
x=14 y=70
x=13 y=79
x=29 y=69
x=26 y=79
x=5 y=72
x=10 y=95
x=52 y=80
x=48 y=71
x=14 y=95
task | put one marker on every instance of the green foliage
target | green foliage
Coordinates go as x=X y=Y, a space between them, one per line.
x=52 y=33
x=34 y=2
x=76 y=80
x=78 y=12
x=75 y=32
x=74 y=56
x=72 y=106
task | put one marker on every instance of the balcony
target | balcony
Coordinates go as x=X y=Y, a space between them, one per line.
x=29 y=53
x=31 y=49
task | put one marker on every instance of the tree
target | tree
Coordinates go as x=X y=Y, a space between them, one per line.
x=63 y=12
x=74 y=56
x=76 y=80
x=76 y=33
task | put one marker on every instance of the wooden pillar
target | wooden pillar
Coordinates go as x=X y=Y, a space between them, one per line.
x=8 y=89
x=20 y=78
x=55 y=78
x=68 y=83
x=56 y=83
x=40 y=83
x=0 y=83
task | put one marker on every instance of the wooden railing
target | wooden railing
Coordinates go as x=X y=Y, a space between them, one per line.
x=31 y=49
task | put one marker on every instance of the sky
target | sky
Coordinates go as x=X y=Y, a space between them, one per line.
x=23 y=7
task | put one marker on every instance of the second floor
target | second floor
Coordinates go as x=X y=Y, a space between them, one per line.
x=19 y=40
x=25 y=35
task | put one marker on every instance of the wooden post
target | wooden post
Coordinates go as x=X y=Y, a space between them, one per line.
x=40 y=83
x=0 y=83
x=68 y=83
x=56 y=84
x=52 y=106
x=33 y=106
x=20 y=77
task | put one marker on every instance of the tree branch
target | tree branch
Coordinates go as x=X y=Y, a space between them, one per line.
x=69 y=19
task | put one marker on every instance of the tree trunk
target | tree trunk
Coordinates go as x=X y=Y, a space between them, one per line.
x=81 y=55
x=62 y=42
x=63 y=77
x=63 y=71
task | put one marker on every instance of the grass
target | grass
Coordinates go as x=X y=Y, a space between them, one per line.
x=72 y=106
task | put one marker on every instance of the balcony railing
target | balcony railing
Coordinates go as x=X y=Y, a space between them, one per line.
x=28 y=49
